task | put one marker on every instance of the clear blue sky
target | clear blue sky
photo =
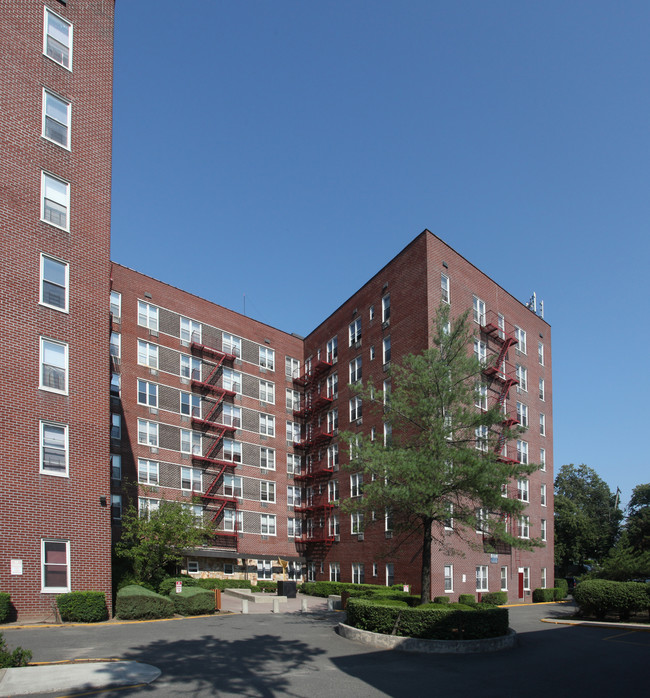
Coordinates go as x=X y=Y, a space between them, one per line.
x=253 y=136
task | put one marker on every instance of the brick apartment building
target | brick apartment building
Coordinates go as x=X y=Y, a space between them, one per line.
x=202 y=405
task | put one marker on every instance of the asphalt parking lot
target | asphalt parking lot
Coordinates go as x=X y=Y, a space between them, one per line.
x=300 y=654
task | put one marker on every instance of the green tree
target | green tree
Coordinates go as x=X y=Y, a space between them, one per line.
x=153 y=545
x=637 y=525
x=441 y=460
x=587 y=519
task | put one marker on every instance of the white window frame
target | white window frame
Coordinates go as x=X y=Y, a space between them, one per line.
x=232 y=380
x=542 y=459
x=190 y=404
x=526 y=572
x=542 y=424
x=268 y=524
x=386 y=350
x=542 y=576
x=54 y=589
x=233 y=486
x=356 y=484
x=116 y=305
x=44 y=342
x=146 y=506
x=522 y=377
x=191 y=442
x=481 y=400
x=504 y=578
x=333 y=525
x=294 y=496
x=267 y=491
x=448 y=574
x=116 y=384
x=232 y=450
x=523 y=490
x=522 y=452
x=333 y=350
x=267 y=424
x=57 y=101
x=332 y=456
x=335 y=571
x=356 y=369
x=444 y=288
x=293 y=432
x=233 y=520
x=292 y=399
x=148 y=472
x=333 y=491
x=542 y=495
x=354 y=331
x=291 y=367
x=540 y=353
x=356 y=408
x=358 y=573
x=294 y=465
x=148 y=316
x=189 y=330
x=267 y=392
x=193 y=476
x=115 y=345
x=65 y=287
x=523 y=527
x=267 y=458
x=482 y=578
x=542 y=391
x=190 y=367
x=57 y=472
x=62 y=199
x=522 y=414
x=147 y=354
x=333 y=386
x=150 y=392
x=47 y=33
x=332 y=421
x=231 y=415
x=520 y=336
x=478 y=307
x=385 y=308
x=356 y=523
x=267 y=358
x=148 y=433
x=542 y=527
x=480 y=351
x=231 y=344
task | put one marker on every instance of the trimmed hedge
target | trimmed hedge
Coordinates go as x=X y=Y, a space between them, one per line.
x=82 y=606
x=169 y=584
x=441 y=599
x=432 y=621
x=213 y=583
x=193 y=601
x=137 y=602
x=326 y=589
x=563 y=588
x=543 y=595
x=598 y=597
x=559 y=594
x=5 y=606
x=468 y=599
x=496 y=598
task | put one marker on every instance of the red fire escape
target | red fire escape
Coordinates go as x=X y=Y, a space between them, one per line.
x=316 y=536
x=215 y=430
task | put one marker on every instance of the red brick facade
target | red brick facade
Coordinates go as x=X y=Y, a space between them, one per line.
x=56 y=63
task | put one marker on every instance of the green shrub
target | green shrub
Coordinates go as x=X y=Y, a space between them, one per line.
x=430 y=621
x=169 y=584
x=213 y=583
x=468 y=599
x=82 y=606
x=137 y=602
x=441 y=599
x=496 y=598
x=598 y=597
x=19 y=657
x=193 y=601
x=325 y=589
x=5 y=606
x=131 y=581
x=558 y=594
x=563 y=586
x=263 y=585
x=543 y=595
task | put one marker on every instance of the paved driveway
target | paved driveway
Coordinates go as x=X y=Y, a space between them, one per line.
x=293 y=654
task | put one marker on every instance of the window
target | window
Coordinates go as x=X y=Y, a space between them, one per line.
x=355 y=331
x=267 y=425
x=481 y=434
x=147 y=506
x=356 y=522
x=115 y=344
x=525 y=571
x=233 y=521
x=355 y=408
x=55 y=198
x=191 y=479
x=192 y=566
x=232 y=380
x=147 y=354
x=231 y=415
x=116 y=305
x=540 y=353
x=356 y=483
x=520 y=336
x=388 y=435
x=481 y=400
x=116 y=466
x=147 y=433
x=390 y=574
x=481 y=578
x=190 y=405
x=54 y=283
x=267 y=358
x=542 y=459
x=267 y=392
x=480 y=351
x=482 y=520
x=333 y=491
x=55 y=566
x=522 y=378
x=333 y=456
x=372 y=353
x=444 y=288
x=231 y=344
x=293 y=496
x=293 y=399
x=504 y=579
x=148 y=316
x=332 y=421
x=371 y=313
x=57 y=39
x=190 y=330
x=449 y=578
x=333 y=386
x=267 y=525
x=267 y=458
x=333 y=526
x=523 y=487
x=191 y=442
x=116 y=507
x=358 y=575
x=232 y=485
x=291 y=367
x=522 y=414
x=56 y=119
x=293 y=432
x=116 y=384
x=294 y=527
x=54 y=449
x=232 y=450
x=449 y=521
x=264 y=569
x=293 y=464
x=388 y=520
x=541 y=389
x=543 y=529
x=190 y=367
x=542 y=424
x=54 y=366
x=333 y=350
x=479 y=310
x=355 y=370
x=147 y=472
x=524 y=527
x=386 y=350
x=522 y=452
x=335 y=571
x=543 y=578
x=542 y=495
x=385 y=309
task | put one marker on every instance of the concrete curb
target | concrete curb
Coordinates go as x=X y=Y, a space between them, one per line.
x=639 y=627
x=411 y=644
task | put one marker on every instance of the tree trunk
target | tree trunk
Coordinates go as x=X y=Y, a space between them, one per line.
x=425 y=594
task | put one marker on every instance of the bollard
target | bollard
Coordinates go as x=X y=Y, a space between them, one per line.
x=217 y=599
x=276 y=606
x=244 y=605
x=303 y=605
x=330 y=604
